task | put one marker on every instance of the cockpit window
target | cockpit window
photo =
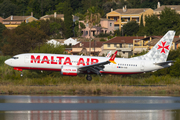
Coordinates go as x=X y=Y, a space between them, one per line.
x=15 y=57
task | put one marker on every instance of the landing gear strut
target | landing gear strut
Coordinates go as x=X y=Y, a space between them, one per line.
x=89 y=78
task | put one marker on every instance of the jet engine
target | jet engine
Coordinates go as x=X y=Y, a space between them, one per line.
x=69 y=70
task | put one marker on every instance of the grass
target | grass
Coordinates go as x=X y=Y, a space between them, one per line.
x=10 y=76
x=92 y=89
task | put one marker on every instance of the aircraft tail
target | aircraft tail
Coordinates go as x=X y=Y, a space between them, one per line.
x=160 y=51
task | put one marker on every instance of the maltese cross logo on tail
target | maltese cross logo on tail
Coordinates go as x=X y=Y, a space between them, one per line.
x=163 y=47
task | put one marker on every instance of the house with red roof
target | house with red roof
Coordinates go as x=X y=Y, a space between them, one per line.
x=160 y=8
x=14 y=21
x=124 y=45
x=88 y=48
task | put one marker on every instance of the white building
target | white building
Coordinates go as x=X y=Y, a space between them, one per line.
x=71 y=41
x=54 y=42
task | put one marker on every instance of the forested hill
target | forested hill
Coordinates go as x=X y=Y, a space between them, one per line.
x=43 y=7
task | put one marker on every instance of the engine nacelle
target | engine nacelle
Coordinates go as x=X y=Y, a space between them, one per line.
x=69 y=70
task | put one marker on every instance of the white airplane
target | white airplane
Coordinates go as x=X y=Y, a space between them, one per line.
x=73 y=65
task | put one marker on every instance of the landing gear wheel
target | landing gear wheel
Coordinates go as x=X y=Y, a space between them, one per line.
x=21 y=74
x=89 y=78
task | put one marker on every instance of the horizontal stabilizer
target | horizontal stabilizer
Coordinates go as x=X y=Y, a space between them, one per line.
x=164 y=63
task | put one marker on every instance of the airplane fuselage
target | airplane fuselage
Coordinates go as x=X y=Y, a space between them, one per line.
x=55 y=62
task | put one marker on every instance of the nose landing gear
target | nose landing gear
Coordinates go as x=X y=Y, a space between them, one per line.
x=18 y=69
x=21 y=73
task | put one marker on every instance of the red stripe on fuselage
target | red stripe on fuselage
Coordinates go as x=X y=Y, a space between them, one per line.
x=33 y=68
x=51 y=69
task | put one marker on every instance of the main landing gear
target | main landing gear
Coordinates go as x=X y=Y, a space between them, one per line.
x=89 y=78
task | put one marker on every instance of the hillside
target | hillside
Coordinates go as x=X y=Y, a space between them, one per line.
x=43 y=7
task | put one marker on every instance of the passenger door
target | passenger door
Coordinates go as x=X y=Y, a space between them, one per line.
x=26 y=59
x=142 y=66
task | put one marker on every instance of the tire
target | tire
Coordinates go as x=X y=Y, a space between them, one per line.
x=89 y=78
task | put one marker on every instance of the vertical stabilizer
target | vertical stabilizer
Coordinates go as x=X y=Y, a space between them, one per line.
x=160 y=51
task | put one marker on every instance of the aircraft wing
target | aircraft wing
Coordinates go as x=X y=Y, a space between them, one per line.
x=95 y=68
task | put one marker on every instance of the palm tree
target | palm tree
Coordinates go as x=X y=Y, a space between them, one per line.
x=92 y=18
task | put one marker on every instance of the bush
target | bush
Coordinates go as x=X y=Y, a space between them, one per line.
x=103 y=35
x=49 y=48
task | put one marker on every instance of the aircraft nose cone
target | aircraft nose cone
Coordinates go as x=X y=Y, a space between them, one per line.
x=7 y=62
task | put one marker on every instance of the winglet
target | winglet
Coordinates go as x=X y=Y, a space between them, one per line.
x=108 y=55
x=113 y=57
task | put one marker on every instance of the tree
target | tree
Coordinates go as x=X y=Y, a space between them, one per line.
x=169 y=19
x=78 y=28
x=7 y=8
x=68 y=20
x=174 y=54
x=92 y=18
x=59 y=8
x=49 y=48
x=86 y=4
x=22 y=39
x=141 y=27
x=22 y=7
x=57 y=28
x=81 y=16
x=170 y=2
x=141 y=23
x=117 y=32
x=131 y=28
x=2 y=28
x=133 y=3
x=54 y=27
x=41 y=7
x=150 y=3
x=2 y=41
x=108 y=5
x=76 y=5
x=174 y=71
x=36 y=8
x=152 y=25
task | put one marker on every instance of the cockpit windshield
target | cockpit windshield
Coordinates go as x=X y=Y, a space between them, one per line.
x=15 y=57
